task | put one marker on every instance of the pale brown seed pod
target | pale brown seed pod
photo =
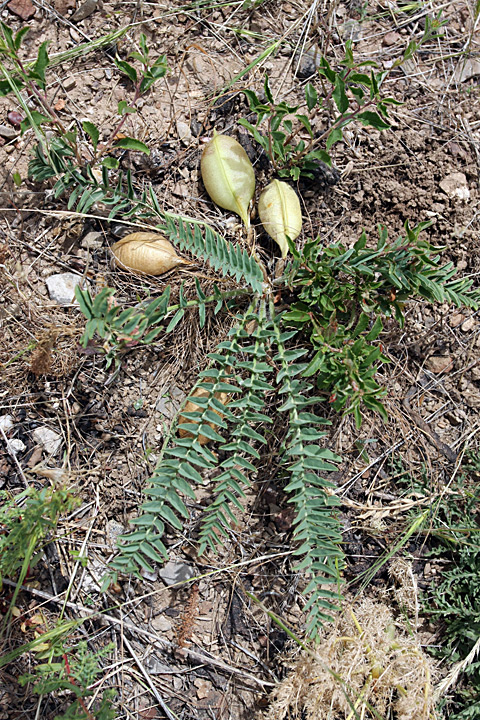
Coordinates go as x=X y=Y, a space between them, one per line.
x=146 y=253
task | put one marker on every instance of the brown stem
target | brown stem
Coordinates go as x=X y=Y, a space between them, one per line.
x=46 y=106
x=72 y=680
x=122 y=121
x=341 y=120
x=270 y=148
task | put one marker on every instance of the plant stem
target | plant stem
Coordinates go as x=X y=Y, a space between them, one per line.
x=123 y=119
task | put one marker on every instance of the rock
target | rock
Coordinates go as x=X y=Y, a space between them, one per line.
x=155 y=667
x=150 y=576
x=466 y=69
x=15 y=446
x=8 y=132
x=48 y=439
x=455 y=186
x=6 y=423
x=472 y=397
x=92 y=241
x=114 y=530
x=69 y=83
x=184 y=132
x=439 y=363
x=23 y=8
x=84 y=11
x=203 y=687
x=391 y=38
x=161 y=623
x=307 y=64
x=180 y=189
x=468 y=325
x=64 y=6
x=15 y=118
x=456 y=319
x=176 y=572
x=61 y=287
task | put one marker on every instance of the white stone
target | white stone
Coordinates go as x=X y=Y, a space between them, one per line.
x=468 y=325
x=184 y=132
x=176 y=572
x=48 y=439
x=161 y=623
x=114 y=530
x=15 y=446
x=6 y=423
x=61 y=287
x=455 y=186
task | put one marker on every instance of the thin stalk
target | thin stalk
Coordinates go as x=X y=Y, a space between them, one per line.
x=23 y=574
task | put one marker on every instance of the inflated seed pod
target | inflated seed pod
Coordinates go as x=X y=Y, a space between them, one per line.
x=280 y=213
x=193 y=407
x=228 y=175
x=146 y=253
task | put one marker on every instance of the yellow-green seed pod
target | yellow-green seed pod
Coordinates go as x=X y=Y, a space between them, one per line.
x=280 y=212
x=228 y=175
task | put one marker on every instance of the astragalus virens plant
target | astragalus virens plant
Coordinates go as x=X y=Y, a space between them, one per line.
x=305 y=340
x=300 y=344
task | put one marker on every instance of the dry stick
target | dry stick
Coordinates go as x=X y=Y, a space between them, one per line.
x=426 y=429
x=13 y=455
x=136 y=630
x=382 y=456
x=150 y=684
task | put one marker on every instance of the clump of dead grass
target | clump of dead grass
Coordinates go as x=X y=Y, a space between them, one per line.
x=366 y=660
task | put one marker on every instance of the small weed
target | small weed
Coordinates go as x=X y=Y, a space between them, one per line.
x=61 y=156
x=455 y=601
x=73 y=670
x=25 y=522
x=353 y=93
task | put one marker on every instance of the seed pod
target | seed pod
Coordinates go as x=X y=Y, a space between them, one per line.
x=228 y=175
x=280 y=213
x=193 y=407
x=146 y=253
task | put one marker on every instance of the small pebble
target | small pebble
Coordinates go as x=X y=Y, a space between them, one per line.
x=15 y=446
x=8 y=132
x=15 y=118
x=69 y=83
x=391 y=38
x=6 y=423
x=468 y=325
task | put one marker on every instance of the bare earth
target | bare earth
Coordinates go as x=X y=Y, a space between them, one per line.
x=110 y=426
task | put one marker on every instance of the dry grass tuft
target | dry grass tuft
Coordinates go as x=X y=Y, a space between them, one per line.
x=381 y=666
